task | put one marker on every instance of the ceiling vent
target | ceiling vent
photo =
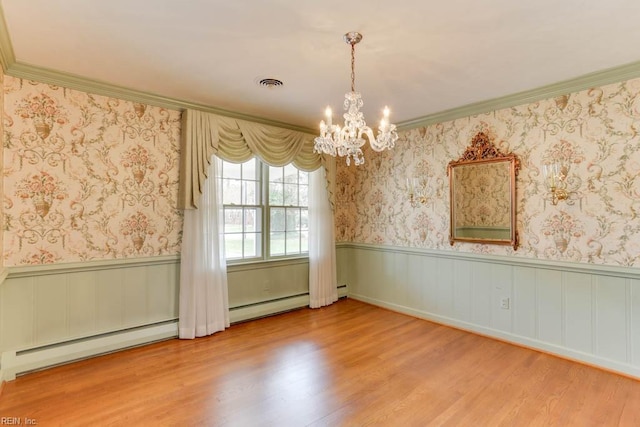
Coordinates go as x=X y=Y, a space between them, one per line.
x=270 y=83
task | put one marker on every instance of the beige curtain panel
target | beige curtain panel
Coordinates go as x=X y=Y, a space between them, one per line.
x=205 y=134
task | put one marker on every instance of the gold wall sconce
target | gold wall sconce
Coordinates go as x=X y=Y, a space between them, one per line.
x=417 y=191
x=555 y=178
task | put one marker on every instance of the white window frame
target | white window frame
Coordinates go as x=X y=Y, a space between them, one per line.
x=264 y=207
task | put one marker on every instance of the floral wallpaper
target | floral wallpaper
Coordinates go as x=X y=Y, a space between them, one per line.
x=87 y=177
x=595 y=133
x=1 y=153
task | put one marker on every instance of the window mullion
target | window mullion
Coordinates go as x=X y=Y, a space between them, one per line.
x=264 y=187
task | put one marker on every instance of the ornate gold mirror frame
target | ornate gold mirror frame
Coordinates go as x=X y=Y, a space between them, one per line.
x=482 y=187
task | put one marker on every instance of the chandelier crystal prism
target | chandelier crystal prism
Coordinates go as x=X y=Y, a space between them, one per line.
x=347 y=140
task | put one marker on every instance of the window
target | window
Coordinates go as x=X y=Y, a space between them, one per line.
x=259 y=197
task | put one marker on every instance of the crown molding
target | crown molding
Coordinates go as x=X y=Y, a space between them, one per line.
x=16 y=69
x=587 y=81
x=72 y=81
x=6 y=47
x=31 y=72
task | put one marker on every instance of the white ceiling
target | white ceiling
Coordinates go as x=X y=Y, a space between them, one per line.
x=419 y=57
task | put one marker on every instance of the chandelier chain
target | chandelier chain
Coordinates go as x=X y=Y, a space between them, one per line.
x=353 y=67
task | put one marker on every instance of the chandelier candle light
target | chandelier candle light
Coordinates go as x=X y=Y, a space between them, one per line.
x=348 y=139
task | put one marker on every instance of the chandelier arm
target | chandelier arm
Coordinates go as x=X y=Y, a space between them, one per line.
x=366 y=130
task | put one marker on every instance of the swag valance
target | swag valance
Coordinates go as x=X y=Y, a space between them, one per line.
x=235 y=140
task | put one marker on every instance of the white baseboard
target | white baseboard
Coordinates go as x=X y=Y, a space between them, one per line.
x=263 y=309
x=268 y=308
x=14 y=363
x=564 y=352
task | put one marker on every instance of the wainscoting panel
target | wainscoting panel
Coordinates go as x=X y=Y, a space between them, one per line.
x=57 y=313
x=612 y=313
x=47 y=305
x=584 y=312
x=549 y=306
x=267 y=281
x=578 y=309
x=524 y=306
x=17 y=314
x=633 y=322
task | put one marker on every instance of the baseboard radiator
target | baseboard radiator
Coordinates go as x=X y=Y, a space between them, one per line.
x=17 y=362
x=13 y=363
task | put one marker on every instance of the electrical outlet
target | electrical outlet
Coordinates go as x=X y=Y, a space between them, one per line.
x=504 y=303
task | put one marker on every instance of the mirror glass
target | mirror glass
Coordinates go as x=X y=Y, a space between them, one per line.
x=482 y=185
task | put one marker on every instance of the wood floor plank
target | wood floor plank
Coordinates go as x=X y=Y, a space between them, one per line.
x=349 y=364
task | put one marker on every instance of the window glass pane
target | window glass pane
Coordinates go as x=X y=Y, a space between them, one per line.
x=231 y=192
x=304 y=241
x=232 y=220
x=304 y=219
x=233 y=246
x=276 y=243
x=275 y=174
x=290 y=174
x=276 y=194
x=251 y=189
x=231 y=170
x=251 y=245
x=304 y=177
x=278 y=219
x=293 y=243
x=293 y=220
x=251 y=220
x=250 y=170
x=291 y=194
x=304 y=195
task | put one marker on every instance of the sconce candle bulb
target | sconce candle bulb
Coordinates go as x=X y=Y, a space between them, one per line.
x=555 y=175
x=417 y=191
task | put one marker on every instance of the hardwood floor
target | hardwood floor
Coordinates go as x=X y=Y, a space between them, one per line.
x=349 y=364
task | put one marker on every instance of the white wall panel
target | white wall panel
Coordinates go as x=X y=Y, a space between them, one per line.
x=501 y=287
x=549 y=306
x=110 y=301
x=463 y=291
x=634 y=322
x=81 y=305
x=254 y=283
x=135 y=295
x=415 y=278
x=430 y=283
x=163 y=292
x=50 y=323
x=523 y=302
x=482 y=294
x=444 y=286
x=584 y=312
x=399 y=281
x=18 y=313
x=611 y=315
x=578 y=312
x=90 y=307
x=42 y=305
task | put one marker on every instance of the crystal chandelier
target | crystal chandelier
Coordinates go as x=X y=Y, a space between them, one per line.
x=348 y=139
